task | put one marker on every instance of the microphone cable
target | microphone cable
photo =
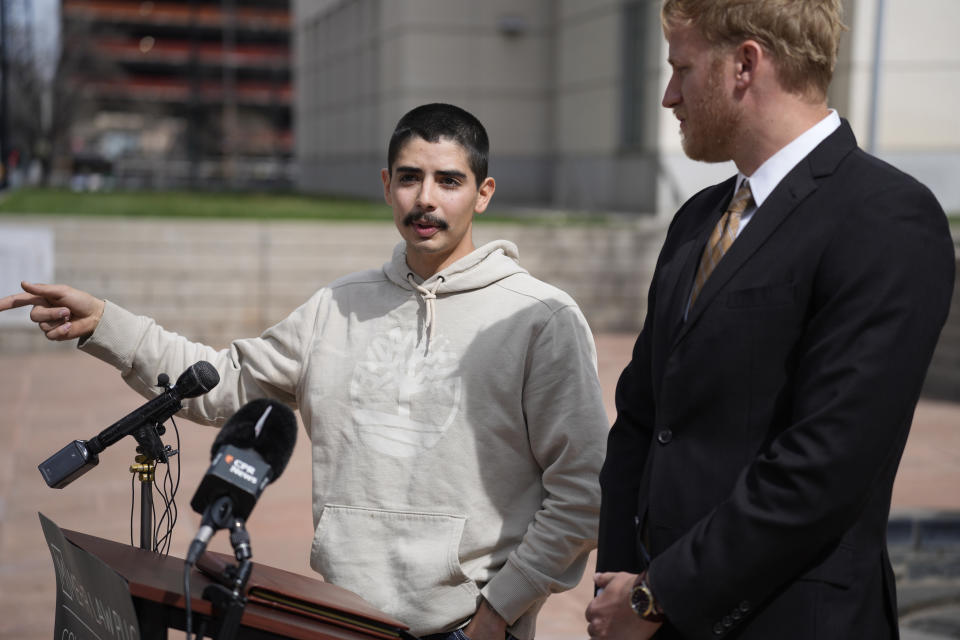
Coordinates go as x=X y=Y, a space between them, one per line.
x=166 y=490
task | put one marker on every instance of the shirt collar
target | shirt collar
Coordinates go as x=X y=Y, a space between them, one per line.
x=768 y=175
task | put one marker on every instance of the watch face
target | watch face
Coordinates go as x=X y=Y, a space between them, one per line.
x=640 y=600
x=643 y=604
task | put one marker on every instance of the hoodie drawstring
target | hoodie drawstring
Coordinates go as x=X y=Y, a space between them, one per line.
x=430 y=300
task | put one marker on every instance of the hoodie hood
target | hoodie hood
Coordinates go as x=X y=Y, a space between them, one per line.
x=490 y=263
x=485 y=265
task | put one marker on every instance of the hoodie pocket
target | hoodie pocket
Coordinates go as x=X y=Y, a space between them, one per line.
x=404 y=563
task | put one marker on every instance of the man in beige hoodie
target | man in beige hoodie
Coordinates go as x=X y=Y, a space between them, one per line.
x=452 y=401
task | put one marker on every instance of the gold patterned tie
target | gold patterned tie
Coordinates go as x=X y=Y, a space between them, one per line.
x=722 y=237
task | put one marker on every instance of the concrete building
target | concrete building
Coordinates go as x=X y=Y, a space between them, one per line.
x=570 y=93
x=179 y=93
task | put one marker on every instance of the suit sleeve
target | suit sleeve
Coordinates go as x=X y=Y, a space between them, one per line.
x=880 y=295
x=628 y=444
x=629 y=439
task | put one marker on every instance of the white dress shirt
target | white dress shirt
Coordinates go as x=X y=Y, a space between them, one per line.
x=768 y=175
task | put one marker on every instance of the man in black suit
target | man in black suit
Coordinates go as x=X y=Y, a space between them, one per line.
x=791 y=319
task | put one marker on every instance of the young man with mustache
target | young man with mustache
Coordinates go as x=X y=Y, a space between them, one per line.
x=452 y=400
x=791 y=319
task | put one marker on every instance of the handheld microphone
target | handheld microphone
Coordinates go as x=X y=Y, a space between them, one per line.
x=80 y=456
x=251 y=450
x=196 y=380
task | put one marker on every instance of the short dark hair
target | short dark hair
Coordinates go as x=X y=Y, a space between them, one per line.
x=437 y=120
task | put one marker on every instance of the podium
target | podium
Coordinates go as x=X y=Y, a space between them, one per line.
x=289 y=605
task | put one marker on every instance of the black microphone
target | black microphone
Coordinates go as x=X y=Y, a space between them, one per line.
x=80 y=456
x=196 y=380
x=251 y=450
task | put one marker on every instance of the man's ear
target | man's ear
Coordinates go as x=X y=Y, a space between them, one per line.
x=385 y=176
x=484 y=193
x=747 y=60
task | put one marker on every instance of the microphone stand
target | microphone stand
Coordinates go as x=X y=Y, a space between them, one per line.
x=146 y=470
x=229 y=598
x=150 y=450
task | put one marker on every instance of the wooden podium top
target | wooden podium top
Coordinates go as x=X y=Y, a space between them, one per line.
x=159 y=579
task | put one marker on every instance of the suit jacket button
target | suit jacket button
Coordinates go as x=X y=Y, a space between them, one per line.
x=744 y=606
x=665 y=436
x=718 y=629
x=727 y=622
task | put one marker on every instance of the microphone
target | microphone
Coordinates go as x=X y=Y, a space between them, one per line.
x=196 y=380
x=251 y=450
x=80 y=456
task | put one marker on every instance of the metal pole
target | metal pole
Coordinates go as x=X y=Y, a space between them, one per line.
x=146 y=515
x=876 y=74
x=230 y=127
x=195 y=147
x=145 y=467
x=4 y=84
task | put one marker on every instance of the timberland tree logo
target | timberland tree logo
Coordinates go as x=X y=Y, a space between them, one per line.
x=404 y=399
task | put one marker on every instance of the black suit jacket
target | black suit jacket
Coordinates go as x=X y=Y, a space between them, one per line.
x=756 y=442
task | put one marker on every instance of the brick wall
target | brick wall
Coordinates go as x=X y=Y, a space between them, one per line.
x=213 y=281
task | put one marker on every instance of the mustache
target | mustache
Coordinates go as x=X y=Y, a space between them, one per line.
x=423 y=217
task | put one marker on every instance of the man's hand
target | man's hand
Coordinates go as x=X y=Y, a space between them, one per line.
x=486 y=624
x=610 y=616
x=61 y=312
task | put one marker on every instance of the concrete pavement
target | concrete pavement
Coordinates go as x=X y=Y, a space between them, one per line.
x=59 y=394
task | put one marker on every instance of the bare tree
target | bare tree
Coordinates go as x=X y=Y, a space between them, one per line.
x=46 y=92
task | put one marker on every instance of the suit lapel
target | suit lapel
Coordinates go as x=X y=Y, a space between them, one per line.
x=680 y=272
x=792 y=190
x=689 y=262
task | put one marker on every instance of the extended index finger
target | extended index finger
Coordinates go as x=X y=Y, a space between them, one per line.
x=21 y=300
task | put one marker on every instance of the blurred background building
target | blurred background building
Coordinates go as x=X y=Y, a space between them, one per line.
x=303 y=94
x=570 y=92
x=178 y=93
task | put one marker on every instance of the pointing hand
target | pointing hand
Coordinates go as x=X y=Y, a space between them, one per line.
x=61 y=312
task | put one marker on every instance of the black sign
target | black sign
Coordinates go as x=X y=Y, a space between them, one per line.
x=93 y=601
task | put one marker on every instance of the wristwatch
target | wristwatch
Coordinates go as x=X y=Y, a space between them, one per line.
x=642 y=601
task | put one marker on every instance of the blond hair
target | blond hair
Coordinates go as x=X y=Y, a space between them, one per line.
x=802 y=36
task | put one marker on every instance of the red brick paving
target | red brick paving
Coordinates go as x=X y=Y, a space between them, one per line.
x=59 y=395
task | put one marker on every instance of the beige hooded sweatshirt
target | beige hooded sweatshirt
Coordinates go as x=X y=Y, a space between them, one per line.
x=456 y=425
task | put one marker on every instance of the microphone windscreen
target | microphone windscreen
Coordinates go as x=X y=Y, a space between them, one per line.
x=266 y=426
x=198 y=379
